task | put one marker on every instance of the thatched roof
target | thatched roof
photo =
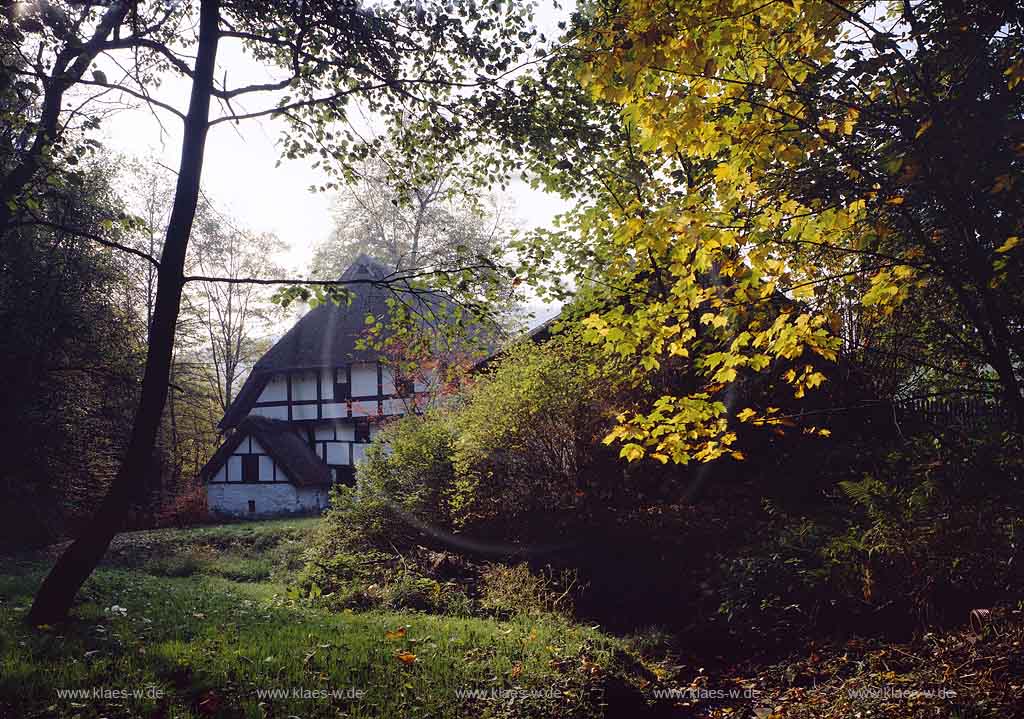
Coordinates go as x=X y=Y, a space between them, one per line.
x=283 y=442
x=325 y=336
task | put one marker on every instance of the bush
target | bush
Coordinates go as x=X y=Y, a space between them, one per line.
x=377 y=580
x=510 y=591
x=528 y=458
x=400 y=491
x=185 y=509
x=934 y=531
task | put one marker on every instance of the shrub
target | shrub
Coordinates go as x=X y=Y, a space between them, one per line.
x=184 y=509
x=933 y=531
x=377 y=580
x=507 y=591
x=926 y=549
x=527 y=457
x=400 y=489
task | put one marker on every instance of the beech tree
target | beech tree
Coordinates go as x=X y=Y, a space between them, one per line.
x=755 y=182
x=408 y=219
x=228 y=313
x=417 y=57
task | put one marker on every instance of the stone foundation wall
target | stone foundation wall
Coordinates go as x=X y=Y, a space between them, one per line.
x=270 y=500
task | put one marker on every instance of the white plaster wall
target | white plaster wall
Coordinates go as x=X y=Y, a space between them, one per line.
x=366 y=408
x=395 y=406
x=272 y=412
x=364 y=380
x=335 y=410
x=359 y=453
x=266 y=469
x=304 y=385
x=337 y=453
x=271 y=499
x=276 y=390
x=387 y=381
x=327 y=383
x=304 y=411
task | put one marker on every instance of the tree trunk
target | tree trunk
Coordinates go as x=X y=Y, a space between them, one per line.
x=58 y=591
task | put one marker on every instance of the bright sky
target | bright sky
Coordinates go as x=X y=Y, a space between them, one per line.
x=240 y=176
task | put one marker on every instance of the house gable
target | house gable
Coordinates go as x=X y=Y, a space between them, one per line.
x=307 y=411
x=262 y=451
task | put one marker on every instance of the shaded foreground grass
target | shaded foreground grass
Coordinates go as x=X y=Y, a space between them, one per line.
x=202 y=644
x=199 y=623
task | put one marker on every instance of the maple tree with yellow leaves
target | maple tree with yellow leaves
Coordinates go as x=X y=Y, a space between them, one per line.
x=766 y=188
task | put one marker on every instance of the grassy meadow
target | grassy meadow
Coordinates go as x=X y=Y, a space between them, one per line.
x=201 y=623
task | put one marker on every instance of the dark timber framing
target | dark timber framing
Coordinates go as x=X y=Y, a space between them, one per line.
x=379 y=398
x=288 y=381
x=227 y=470
x=380 y=388
x=319 y=395
x=320 y=442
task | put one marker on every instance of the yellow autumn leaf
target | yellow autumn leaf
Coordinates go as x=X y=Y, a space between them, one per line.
x=803 y=291
x=631 y=452
x=405 y=657
x=1003 y=183
x=1010 y=243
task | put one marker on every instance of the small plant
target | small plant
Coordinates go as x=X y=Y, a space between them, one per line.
x=239 y=569
x=509 y=591
x=175 y=566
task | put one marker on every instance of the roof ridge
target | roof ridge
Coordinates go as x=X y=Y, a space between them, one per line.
x=365 y=265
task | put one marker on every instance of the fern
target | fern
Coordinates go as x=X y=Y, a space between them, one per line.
x=866 y=493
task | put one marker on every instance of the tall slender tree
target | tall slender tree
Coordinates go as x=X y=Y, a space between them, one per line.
x=421 y=58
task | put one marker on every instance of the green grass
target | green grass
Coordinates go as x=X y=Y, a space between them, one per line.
x=207 y=624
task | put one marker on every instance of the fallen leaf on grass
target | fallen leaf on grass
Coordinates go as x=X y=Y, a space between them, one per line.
x=209 y=704
x=406 y=657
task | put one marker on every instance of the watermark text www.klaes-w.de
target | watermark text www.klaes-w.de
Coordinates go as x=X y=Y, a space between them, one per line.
x=895 y=692
x=311 y=693
x=506 y=694
x=700 y=694
x=111 y=693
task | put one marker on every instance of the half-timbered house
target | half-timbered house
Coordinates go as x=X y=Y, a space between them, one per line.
x=308 y=410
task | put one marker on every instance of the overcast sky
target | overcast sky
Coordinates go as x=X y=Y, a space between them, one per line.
x=240 y=176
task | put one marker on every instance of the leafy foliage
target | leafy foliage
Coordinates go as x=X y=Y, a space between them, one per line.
x=931 y=532
x=71 y=350
x=761 y=187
